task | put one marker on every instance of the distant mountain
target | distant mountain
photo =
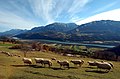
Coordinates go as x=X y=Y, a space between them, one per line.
x=104 y=30
x=97 y=30
x=55 y=31
x=56 y=27
x=12 y=32
x=99 y=27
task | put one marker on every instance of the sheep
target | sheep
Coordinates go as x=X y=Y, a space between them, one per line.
x=19 y=56
x=104 y=65
x=53 y=59
x=47 y=61
x=27 y=61
x=7 y=53
x=110 y=63
x=77 y=62
x=39 y=61
x=92 y=63
x=63 y=63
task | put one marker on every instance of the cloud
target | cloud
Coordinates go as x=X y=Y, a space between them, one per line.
x=105 y=7
x=78 y=5
x=42 y=9
x=29 y=13
x=109 y=15
x=13 y=20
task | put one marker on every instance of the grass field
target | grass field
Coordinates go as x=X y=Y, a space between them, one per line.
x=14 y=68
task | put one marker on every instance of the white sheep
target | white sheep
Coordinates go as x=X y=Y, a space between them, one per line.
x=110 y=63
x=64 y=63
x=53 y=58
x=39 y=61
x=104 y=65
x=77 y=62
x=27 y=61
x=92 y=63
x=48 y=62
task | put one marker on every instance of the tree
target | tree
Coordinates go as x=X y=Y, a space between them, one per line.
x=25 y=49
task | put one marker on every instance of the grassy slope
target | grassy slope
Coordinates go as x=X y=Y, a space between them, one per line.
x=13 y=68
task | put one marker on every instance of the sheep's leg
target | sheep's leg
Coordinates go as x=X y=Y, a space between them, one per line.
x=60 y=66
x=44 y=65
x=79 y=65
x=107 y=70
x=68 y=66
x=49 y=65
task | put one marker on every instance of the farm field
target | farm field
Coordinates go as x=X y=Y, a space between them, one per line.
x=14 y=68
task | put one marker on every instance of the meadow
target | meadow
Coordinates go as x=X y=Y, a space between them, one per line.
x=14 y=68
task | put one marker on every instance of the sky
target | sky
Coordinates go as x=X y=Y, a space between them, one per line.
x=26 y=14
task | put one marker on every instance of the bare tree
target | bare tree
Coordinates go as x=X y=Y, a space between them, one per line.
x=25 y=49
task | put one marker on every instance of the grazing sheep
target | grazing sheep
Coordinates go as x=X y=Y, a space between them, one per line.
x=19 y=56
x=27 y=61
x=104 y=65
x=63 y=63
x=77 y=62
x=7 y=53
x=92 y=63
x=39 y=60
x=53 y=59
x=111 y=64
x=48 y=62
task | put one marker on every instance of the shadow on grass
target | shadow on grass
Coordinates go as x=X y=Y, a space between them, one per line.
x=97 y=71
x=33 y=66
x=48 y=75
x=55 y=68
x=90 y=67
x=58 y=68
x=23 y=65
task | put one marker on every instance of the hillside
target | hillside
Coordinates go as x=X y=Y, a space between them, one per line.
x=12 y=32
x=104 y=30
x=15 y=68
x=56 y=27
x=55 y=31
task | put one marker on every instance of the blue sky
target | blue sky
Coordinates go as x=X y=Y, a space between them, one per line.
x=26 y=14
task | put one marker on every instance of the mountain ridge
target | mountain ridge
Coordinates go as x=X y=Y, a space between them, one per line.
x=12 y=32
x=103 y=30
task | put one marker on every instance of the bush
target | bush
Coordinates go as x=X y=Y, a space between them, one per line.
x=16 y=47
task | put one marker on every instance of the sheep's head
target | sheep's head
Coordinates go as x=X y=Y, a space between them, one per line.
x=58 y=61
x=82 y=61
x=53 y=59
